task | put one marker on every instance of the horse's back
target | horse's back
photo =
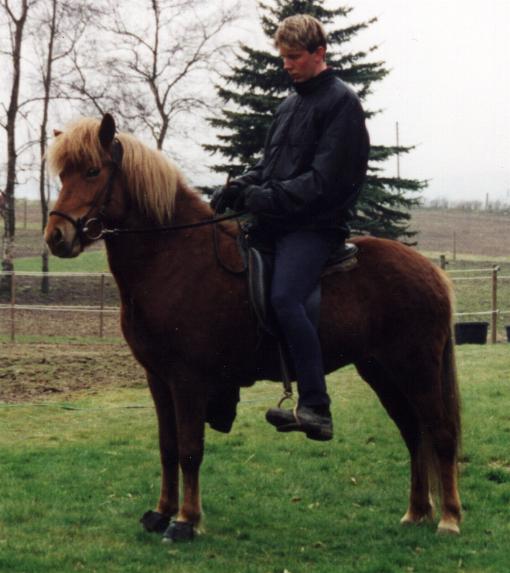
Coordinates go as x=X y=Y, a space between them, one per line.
x=394 y=297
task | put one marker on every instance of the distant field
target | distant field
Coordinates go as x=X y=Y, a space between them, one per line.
x=476 y=233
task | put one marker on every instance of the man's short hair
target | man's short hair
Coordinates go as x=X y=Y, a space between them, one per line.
x=300 y=31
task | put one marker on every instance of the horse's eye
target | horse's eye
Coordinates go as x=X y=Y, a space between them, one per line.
x=93 y=172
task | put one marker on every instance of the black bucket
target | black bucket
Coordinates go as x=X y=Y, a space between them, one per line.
x=471 y=332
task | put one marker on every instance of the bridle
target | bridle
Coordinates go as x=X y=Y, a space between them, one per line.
x=93 y=229
x=85 y=224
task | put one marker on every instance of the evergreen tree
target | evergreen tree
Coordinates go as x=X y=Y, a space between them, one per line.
x=256 y=85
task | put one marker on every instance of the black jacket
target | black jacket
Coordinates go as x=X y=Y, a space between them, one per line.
x=315 y=158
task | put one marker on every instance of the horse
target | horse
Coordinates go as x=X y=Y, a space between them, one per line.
x=188 y=322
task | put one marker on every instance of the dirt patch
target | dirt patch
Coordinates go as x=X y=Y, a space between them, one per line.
x=34 y=371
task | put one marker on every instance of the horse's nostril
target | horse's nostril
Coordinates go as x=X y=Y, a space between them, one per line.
x=58 y=237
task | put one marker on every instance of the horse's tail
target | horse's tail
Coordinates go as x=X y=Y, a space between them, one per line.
x=428 y=456
x=450 y=391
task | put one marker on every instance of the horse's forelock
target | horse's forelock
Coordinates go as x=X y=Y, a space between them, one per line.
x=77 y=146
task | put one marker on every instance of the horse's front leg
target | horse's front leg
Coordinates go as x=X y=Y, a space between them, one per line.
x=168 y=504
x=190 y=399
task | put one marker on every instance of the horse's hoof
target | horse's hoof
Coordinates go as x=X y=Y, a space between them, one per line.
x=448 y=528
x=179 y=531
x=410 y=519
x=154 y=522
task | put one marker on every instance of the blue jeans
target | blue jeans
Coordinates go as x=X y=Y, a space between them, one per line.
x=300 y=257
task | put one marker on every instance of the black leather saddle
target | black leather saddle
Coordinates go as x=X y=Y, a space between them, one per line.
x=260 y=268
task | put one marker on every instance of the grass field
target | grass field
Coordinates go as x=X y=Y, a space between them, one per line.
x=88 y=262
x=78 y=472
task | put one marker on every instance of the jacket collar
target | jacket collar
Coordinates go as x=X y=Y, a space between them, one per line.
x=315 y=83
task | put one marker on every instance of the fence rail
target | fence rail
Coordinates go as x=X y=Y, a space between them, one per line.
x=13 y=308
x=495 y=313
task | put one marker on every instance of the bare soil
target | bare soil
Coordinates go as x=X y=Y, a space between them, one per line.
x=474 y=232
x=31 y=372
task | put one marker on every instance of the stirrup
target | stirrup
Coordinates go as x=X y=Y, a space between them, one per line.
x=287 y=395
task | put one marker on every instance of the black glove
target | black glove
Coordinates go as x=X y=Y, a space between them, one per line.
x=254 y=199
x=226 y=197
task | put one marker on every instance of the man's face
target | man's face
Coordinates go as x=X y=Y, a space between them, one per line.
x=301 y=64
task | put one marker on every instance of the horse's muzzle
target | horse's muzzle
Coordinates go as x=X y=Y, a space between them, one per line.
x=62 y=239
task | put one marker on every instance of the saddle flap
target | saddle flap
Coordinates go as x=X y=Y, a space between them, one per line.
x=260 y=270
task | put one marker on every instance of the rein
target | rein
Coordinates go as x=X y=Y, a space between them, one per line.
x=105 y=232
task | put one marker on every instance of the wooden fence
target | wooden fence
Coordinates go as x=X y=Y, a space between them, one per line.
x=13 y=308
x=491 y=275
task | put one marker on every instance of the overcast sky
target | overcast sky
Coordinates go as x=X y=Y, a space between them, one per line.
x=449 y=89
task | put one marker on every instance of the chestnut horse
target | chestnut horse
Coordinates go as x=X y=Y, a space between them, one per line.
x=188 y=321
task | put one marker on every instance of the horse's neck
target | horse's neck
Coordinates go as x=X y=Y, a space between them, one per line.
x=135 y=256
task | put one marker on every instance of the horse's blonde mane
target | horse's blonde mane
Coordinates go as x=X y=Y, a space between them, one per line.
x=152 y=179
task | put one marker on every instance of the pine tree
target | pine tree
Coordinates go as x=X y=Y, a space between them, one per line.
x=256 y=85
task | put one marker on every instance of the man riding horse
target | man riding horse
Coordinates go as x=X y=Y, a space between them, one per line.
x=300 y=193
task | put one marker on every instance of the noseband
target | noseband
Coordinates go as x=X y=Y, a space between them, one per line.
x=85 y=225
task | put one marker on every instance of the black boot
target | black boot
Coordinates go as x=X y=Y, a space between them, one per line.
x=316 y=426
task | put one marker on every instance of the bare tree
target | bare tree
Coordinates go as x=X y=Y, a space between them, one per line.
x=158 y=62
x=16 y=26
x=60 y=24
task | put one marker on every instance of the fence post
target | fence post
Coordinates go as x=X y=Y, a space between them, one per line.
x=101 y=307
x=494 y=316
x=13 y=307
x=443 y=262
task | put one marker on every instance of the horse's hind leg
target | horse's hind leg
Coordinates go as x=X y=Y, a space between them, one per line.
x=432 y=389
x=168 y=503
x=400 y=410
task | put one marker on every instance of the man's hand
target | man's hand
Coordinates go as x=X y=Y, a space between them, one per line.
x=227 y=197
x=255 y=199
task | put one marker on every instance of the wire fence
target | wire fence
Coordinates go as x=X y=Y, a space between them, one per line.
x=85 y=305
x=492 y=276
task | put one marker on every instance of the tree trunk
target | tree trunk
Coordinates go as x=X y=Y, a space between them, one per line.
x=43 y=139
x=12 y=112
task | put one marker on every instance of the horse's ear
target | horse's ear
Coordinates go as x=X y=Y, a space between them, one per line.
x=57 y=132
x=107 y=131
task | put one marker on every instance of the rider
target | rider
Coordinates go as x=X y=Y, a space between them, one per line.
x=301 y=192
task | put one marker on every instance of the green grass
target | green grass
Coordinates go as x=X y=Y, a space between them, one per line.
x=75 y=482
x=88 y=262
